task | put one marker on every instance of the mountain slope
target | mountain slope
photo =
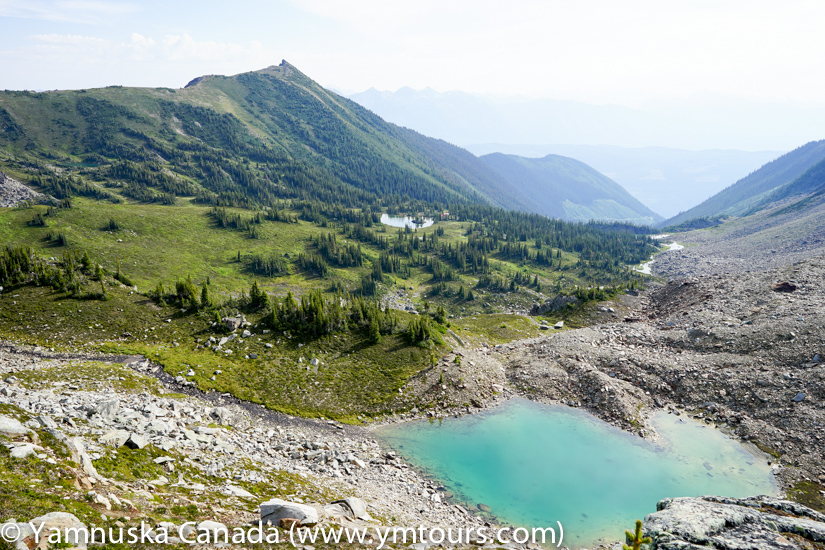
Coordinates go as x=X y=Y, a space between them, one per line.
x=812 y=181
x=251 y=138
x=759 y=189
x=565 y=188
x=667 y=181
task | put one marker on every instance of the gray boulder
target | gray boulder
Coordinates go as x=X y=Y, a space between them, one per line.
x=158 y=427
x=225 y=416
x=733 y=524
x=557 y=303
x=107 y=410
x=233 y=323
x=11 y=427
x=136 y=441
x=25 y=450
x=116 y=438
x=46 y=422
x=337 y=511
x=72 y=530
x=218 y=532
x=353 y=507
x=275 y=509
x=80 y=456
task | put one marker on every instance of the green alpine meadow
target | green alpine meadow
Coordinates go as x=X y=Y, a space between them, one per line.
x=160 y=213
x=471 y=275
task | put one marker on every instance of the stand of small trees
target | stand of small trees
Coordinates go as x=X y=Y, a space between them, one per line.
x=267 y=266
x=316 y=315
x=73 y=273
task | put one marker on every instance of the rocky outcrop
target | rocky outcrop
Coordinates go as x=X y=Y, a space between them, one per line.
x=237 y=461
x=754 y=523
x=36 y=532
x=275 y=510
x=233 y=323
x=555 y=304
x=12 y=193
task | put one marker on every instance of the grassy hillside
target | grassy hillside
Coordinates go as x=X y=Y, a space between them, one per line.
x=248 y=139
x=261 y=195
x=566 y=188
x=755 y=190
x=47 y=302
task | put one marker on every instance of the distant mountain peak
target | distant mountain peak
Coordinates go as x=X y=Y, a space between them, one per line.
x=197 y=80
x=284 y=68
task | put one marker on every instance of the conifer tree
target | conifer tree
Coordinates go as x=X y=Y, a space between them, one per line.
x=206 y=299
x=374 y=330
x=258 y=298
x=637 y=539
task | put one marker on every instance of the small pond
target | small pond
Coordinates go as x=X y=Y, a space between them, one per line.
x=536 y=464
x=403 y=221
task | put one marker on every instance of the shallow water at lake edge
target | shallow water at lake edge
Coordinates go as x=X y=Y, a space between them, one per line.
x=535 y=464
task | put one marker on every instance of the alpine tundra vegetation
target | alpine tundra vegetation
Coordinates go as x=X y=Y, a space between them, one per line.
x=202 y=316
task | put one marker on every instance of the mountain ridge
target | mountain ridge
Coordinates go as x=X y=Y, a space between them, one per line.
x=666 y=180
x=324 y=144
x=294 y=139
x=567 y=188
x=760 y=188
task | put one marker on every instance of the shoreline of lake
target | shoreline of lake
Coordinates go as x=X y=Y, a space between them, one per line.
x=661 y=454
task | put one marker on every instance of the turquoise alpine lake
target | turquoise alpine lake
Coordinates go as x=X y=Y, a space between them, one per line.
x=535 y=464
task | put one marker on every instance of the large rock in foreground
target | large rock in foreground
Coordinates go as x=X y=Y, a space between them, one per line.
x=275 y=510
x=753 y=523
x=37 y=532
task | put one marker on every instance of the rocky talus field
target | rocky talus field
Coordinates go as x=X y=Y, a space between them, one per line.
x=108 y=435
x=111 y=440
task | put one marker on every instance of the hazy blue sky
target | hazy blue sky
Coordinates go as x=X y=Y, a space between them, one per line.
x=590 y=50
